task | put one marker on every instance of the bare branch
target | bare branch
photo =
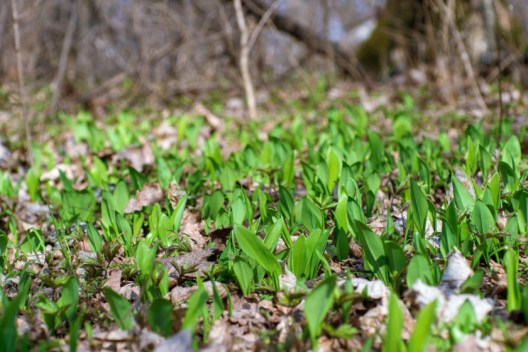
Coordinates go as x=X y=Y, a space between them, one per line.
x=244 y=60
x=21 y=83
x=63 y=62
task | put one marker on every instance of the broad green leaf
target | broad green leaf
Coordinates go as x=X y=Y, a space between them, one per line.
x=160 y=317
x=121 y=309
x=317 y=305
x=419 y=268
x=334 y=167
x=511 y=263
x=145 y=258
x=120 y=197
x=70 y=299
x=298 y=259
x=94 y=238
x=253 y=246
x=463 y=199
x=422 y=329
x=482 y=218
x=511 y=152
x=177 y=214
x=8 y=328
x=244 y=274
x=509 y=177
x=393 y=340
x=395 y=258
x=138 y=180
x=373 y=251
x=194 y=308
x=420 y=207
x=273 y=234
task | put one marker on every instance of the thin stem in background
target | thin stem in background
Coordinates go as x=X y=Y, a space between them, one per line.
x=21 y=83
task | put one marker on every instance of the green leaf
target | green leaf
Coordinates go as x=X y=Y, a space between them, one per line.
x=393 y=340
x=420 y=207
x=177 y=214
x=317 y=305
x=511 y=263
x=8 y=329
x=244 y=274
x=138 y=180
x=253 y=246
x=395 y=257
x=145 y=257
x=70 y=299
x=373 y=251
x=298 y=259
x=511 y=152
x=422 y=328
x=419 y=268
x=160 y=317
x=120 y=197
x=94 y=238
x=194 y=308
x=121 y=309
x=463 y=199
x=334 y=162
x=482 y=218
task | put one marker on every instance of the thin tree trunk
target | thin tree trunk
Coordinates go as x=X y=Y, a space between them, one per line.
x=244 y=60
x=21 y=83
x=63 y=62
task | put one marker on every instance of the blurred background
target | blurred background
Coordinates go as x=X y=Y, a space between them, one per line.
x=78 y=54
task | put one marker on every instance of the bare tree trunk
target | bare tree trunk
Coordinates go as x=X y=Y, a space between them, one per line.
x=21 y=84
x=244 y=60
x=63 y=62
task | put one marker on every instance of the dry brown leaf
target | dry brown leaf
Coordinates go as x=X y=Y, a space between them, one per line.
x=181 y=294
x=150 y=194
x=114 y=281
x=137 y=156
x=193 y=263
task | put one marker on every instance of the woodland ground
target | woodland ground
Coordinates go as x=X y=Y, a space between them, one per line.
x=336 y=221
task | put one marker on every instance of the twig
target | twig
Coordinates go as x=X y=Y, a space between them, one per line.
x=244 y=60
x=262 y=22
x=21 y=85
x=464 y=56
x=63 y=62
x=501 y=108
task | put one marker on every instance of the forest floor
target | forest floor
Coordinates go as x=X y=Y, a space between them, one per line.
x=339 y=220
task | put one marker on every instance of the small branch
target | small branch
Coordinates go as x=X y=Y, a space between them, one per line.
x=63 y=62
x=244 y=60
x=462 y=52
x=21 y=84
x=499 y=66
x=262 y=22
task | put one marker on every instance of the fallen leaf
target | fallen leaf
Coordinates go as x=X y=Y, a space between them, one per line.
x=150 y=194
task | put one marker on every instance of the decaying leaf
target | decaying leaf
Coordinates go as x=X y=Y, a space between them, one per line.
x=150 y=194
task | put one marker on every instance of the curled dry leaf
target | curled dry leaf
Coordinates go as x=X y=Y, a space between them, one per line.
x=137 y=156
x=182 y=341
x=179 y=294
x=150 y=194
x=71 y=171
x=175 y=194
x=220 y=340
x=287 y=279
x=195 y=263
x=166 y=135
x=114 y=281
x=374 y=289
x=456 y=272
x=448 y=304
